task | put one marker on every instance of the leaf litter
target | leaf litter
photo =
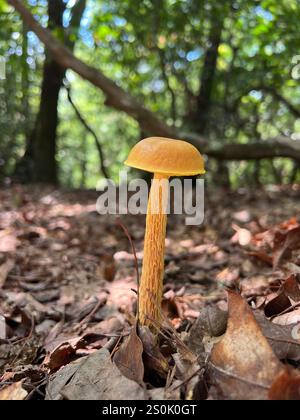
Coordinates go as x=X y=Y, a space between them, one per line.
x=68 y=301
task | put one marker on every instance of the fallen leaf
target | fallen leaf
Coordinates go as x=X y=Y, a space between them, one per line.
x=128 y=358
x=243 y=363
x=213 y=321
x=284 y=242
x=13 y=392
x=277 y=305
x=97 y=378
x=61 y=350
x=59 y=356
x=59 y=379
x=153 y=358
x=280 y=338
x=261 y=255
x=291 y=288
x=288 y=319
x=286 y=387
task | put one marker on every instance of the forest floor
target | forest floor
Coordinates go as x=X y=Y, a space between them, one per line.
x=68 y=299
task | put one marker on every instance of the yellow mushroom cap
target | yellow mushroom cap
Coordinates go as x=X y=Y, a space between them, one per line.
x=166 y=156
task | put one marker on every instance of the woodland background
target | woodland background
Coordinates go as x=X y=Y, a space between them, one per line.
x=224 y=75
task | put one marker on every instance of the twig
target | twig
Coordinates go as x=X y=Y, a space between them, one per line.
x=126 y=231
x=20 y=340
x=90 y=130
x=189 y=378
x=24 y=339
x=90 y=315
x=110 y=345
x=233 y=376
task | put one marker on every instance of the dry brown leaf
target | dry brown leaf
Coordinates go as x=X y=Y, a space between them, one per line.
x=97 y=378
x=59 y=356
x=286 y=387
x=288 y=319
x=129 y=358
x=291 y=288
x=243 y=362
x=61 y=350
x=13 y=392
x=280 y=337
x=277 y=305
x=261 y=255
x=153 y=358
x=284 y=242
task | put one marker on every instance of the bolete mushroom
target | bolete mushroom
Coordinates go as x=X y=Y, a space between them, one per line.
x=165 y=158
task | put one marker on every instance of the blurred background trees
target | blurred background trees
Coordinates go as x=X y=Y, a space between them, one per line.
x=223 y=74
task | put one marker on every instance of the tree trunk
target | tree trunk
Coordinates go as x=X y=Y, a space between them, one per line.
x=44 y=148
x=24 y=167
x=39 y=161
x=45 y=167
x=209 y=69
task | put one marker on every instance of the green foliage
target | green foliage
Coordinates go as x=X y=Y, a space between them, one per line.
x=155 y=49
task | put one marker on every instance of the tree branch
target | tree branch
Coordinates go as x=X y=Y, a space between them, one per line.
x=148 y=121
x=90 y=130
x=280 y=98
x=278 y=147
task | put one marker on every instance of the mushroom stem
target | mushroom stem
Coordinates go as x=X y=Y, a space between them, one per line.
x=151 y=285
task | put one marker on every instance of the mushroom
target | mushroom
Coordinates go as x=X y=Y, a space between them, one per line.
x=165 y=158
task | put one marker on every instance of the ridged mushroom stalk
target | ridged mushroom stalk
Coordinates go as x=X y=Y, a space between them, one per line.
x=151 y=288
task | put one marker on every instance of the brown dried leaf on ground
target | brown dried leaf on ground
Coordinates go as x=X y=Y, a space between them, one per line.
x=277 y=305
x=153 y=358
x=95 y=378
x=13 y=392
x=286 y=387
x=60 y=356
x=288 y=295
x=280 y=241
x=128 y=357
x=285 y=242
x=290 y=318
x=291 y=288
x=243 y=363
x=64 y=348
x=280 y=338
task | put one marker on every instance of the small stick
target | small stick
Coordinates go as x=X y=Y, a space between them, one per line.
x=90 y=315
x=126 y=231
